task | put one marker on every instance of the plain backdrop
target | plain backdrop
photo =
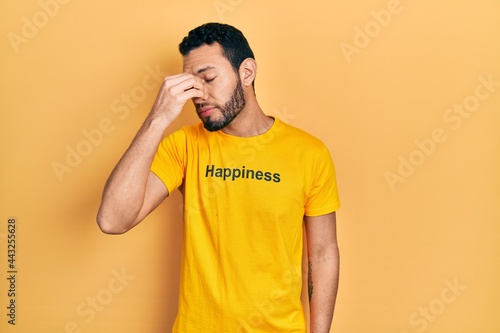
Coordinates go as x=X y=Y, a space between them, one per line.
x=405 y=94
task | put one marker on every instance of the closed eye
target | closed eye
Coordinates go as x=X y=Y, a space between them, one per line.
x=210 y=79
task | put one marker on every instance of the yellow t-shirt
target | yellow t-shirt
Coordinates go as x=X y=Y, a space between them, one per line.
x=244 y=202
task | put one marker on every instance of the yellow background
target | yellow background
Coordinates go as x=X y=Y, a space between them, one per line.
x=373 y=79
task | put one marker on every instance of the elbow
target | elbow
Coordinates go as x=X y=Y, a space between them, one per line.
x=109 y=226
x=329 y=253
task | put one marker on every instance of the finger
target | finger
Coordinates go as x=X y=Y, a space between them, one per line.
x=174 y=80
x=188 y=84
x=193 y=93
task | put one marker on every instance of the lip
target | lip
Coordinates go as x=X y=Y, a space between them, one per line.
x=206 y=111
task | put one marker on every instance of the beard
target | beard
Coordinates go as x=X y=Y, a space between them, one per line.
x=230 y=110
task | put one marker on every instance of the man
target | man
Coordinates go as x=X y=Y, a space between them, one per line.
x=249 y=182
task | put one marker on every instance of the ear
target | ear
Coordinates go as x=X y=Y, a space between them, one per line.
x=248 y=71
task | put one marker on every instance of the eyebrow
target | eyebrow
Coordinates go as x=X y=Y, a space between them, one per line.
x=204 y=69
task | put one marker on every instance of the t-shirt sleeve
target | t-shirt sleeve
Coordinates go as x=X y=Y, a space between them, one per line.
x=169 y=161
x=323 y=196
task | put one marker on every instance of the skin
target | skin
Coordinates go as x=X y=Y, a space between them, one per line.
x=323 y=272
x=132 y=191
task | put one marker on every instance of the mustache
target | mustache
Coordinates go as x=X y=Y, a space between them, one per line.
x=203 y=104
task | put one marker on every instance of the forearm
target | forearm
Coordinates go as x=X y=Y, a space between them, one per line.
x=125 y=190
x=323 y=285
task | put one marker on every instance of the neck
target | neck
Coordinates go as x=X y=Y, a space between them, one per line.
x=251 y=121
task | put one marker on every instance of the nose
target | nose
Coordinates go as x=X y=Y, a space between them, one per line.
x=202 y=99
x=198 y=101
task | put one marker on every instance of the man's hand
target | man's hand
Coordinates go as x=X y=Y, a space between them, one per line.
x=175 y=91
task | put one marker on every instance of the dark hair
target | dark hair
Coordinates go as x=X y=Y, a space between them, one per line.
x=234 y=45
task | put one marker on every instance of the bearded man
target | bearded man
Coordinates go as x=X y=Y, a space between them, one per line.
x=251 y=185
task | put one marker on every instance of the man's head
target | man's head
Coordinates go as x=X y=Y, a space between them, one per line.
x=219 y=55
x=234 y=45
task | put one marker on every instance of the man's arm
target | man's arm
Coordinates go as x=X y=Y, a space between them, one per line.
x=323 y=270
x=132 y=190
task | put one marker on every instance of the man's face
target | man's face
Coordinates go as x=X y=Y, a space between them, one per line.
x=225 y=97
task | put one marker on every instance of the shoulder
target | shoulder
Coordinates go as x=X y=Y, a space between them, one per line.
x=297 y=137
x=186 y=133
x=192 y=130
